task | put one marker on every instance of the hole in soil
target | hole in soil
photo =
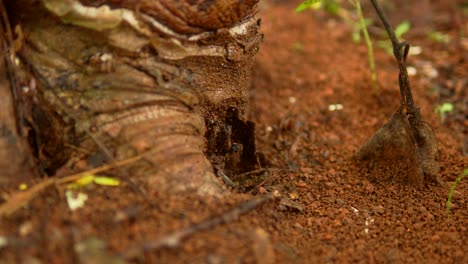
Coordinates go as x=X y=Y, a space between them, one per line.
x=231 y=144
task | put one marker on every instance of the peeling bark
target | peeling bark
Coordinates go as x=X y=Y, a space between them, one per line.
x=15 y=155
x=187 y=17
x=115 y=80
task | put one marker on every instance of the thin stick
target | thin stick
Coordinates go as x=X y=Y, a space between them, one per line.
x=20 y=199
x=102 y=168
x=403 y=79
x=388 y=27
x=176 y=238
x=256 y=172
x=227 y=180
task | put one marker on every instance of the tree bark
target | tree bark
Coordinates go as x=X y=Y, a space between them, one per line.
x=119 y=78
x=15 y=156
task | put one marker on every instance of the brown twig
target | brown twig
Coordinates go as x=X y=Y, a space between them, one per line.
x=265 y=180
x=20 y=199
x=262 y=170
x=176 y=238
x=227 y=180
x=400 y=51
x=248 y=173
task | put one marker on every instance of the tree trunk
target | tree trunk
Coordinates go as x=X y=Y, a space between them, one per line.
x=115 y=79
x=15 y=159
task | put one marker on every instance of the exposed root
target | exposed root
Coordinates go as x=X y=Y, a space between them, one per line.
x=120 y=80
x=19 y=199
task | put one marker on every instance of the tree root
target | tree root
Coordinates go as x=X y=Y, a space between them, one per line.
x=117 y=82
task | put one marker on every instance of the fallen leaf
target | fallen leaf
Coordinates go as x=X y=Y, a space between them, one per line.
x=106 y=181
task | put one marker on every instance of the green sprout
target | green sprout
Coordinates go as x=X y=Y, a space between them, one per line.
x=452 y=189
x=91 y=178
x=444 y=109
x=400 y=30
x=439 y=37
x=370 y=49
x=357 y=29
x=333 y=7
x=308 y=4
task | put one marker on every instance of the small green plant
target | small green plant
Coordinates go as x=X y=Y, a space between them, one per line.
x=308 y=4
x=400 y=30
x=370 y=49
x=359 y=26
x=444 y=109
x=438 y=36
x=331 y=6
x=452 y=189
x=357 y=35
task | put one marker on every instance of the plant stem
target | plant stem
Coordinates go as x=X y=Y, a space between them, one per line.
x=388 y=27
x=452 y=189
x=405 y=89
x=370 y=49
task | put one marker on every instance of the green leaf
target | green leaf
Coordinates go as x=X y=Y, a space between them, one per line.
x=386 y=45
x=332 y=7
x=82 y=182
x=106 y=181
x=402 y=28
x=439 y=37
x=445 y=108
x=90 y=178
x=369 y=21
x=452 y=189
x=306 y=5
x=356 y=37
